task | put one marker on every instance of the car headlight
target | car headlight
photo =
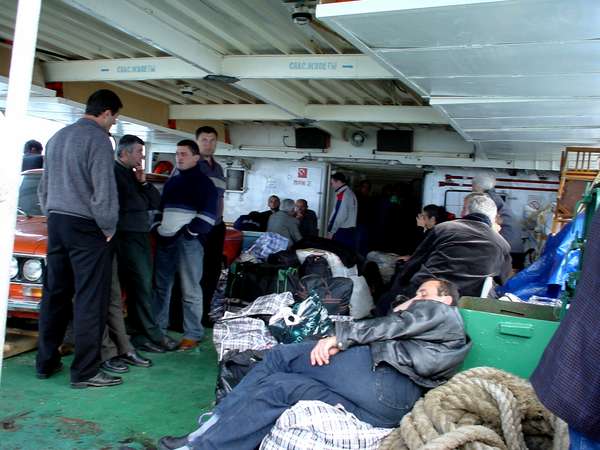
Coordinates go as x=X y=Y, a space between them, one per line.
x=32 y=269
x=14 y=267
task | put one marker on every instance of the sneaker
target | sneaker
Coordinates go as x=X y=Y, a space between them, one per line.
x=187 y=344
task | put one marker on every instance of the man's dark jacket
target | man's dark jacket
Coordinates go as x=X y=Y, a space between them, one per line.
x=427 y=342
x=567 y=379
x=32 y=162
x=464 y=251
x=136 y=200
x=308 y=224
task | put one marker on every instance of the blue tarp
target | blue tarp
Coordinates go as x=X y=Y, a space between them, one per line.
x=546 y=277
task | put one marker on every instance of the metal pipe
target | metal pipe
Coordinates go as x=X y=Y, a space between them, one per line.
x=19 y=87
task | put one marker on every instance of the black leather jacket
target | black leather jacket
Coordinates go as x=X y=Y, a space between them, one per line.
x=427 y=342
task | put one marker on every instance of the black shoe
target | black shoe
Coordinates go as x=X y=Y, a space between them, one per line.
x=169 y=344
x=151 y=347
x=172 y=442
x=45 y=375
x=101 y=379
x=115 y=365
x=133 y=358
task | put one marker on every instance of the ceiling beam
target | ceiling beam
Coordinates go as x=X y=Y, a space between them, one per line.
x=322 y=113
x=293 y=67
x=144 y=25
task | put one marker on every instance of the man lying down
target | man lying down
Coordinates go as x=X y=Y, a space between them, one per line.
x=376 y=368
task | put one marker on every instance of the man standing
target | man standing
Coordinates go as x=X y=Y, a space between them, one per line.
x=307 y=219
x=78 y=192
x=32 y=155
x=342 y=223
x=188 y=210
x=376 y=369
x=137 y=198
x=206 y=137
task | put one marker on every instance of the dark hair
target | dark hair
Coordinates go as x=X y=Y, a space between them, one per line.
x=367 y=182
x=127 y=142
x=206 y=130
x=446 y=287
x=32 y=146
x=191 y=145
x=339 y=176
x=437 y=212
x=303 y=201
x=102 y=100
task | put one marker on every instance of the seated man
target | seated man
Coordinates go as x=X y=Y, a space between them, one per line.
x=377 y=369
x=465 y=251
x=284 y=223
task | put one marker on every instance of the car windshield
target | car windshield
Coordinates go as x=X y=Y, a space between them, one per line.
x=28 y=199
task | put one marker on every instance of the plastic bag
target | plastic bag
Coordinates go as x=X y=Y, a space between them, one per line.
x=546 y=277
x=305 y=320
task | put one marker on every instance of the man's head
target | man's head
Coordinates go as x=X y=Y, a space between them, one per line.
x=483 y=182
x=301 y=205
x=338 y=179
x=206 y=138
x=33 y=147
x=432 y=215
x=273 y=203
x=130 y=151
x=287 y=206
x=104 y=106
x=433 y=289
x=187 y=154
x=477 y=203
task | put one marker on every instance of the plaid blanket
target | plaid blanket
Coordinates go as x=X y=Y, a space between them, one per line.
x=239 y=331
x=268 y=243
x=312 y=425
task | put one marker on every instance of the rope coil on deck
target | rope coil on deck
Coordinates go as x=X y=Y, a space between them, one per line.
x=479 y=409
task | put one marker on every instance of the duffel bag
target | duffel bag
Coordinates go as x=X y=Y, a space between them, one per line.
x=248 y=281
x=335 y=293
x=286 y=258
x=316 y=265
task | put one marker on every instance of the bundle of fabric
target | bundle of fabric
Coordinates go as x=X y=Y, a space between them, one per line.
x=246 y=329
x=481 y=408
x=316 y=425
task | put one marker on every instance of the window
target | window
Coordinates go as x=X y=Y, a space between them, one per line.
x=235 y=179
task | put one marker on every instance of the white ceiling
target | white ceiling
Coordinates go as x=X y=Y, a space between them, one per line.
x=508 y=74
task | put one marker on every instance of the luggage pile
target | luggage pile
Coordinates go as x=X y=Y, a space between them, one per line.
x=286 y=296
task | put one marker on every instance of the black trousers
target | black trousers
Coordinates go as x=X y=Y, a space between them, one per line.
x=79 y=263
x=213 y=257
x=134 y=262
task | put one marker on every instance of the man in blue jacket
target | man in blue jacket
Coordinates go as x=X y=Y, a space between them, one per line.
x=376 y=368
x=188 y=211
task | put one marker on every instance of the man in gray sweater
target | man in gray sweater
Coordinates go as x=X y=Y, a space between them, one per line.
x=79 y=195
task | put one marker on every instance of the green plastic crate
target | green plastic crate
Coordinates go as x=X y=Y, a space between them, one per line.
x=508 y=336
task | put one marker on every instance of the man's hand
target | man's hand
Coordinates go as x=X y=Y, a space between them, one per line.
x=325 y=348
x=329 y=236
x=140 y=174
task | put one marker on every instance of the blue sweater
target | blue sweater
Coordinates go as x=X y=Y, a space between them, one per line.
x=189 y=204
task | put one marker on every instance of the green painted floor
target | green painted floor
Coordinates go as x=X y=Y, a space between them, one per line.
x=48 y=414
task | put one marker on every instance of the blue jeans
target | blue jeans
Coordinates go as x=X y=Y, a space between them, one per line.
x=185 y=256
x=380 y=397
x=346 y=236
x=581 y=442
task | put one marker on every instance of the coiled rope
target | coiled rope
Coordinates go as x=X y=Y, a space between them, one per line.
x=479 y=409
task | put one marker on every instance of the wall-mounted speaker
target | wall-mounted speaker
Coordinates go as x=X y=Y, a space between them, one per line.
x=308 y=137
x=395 y=140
